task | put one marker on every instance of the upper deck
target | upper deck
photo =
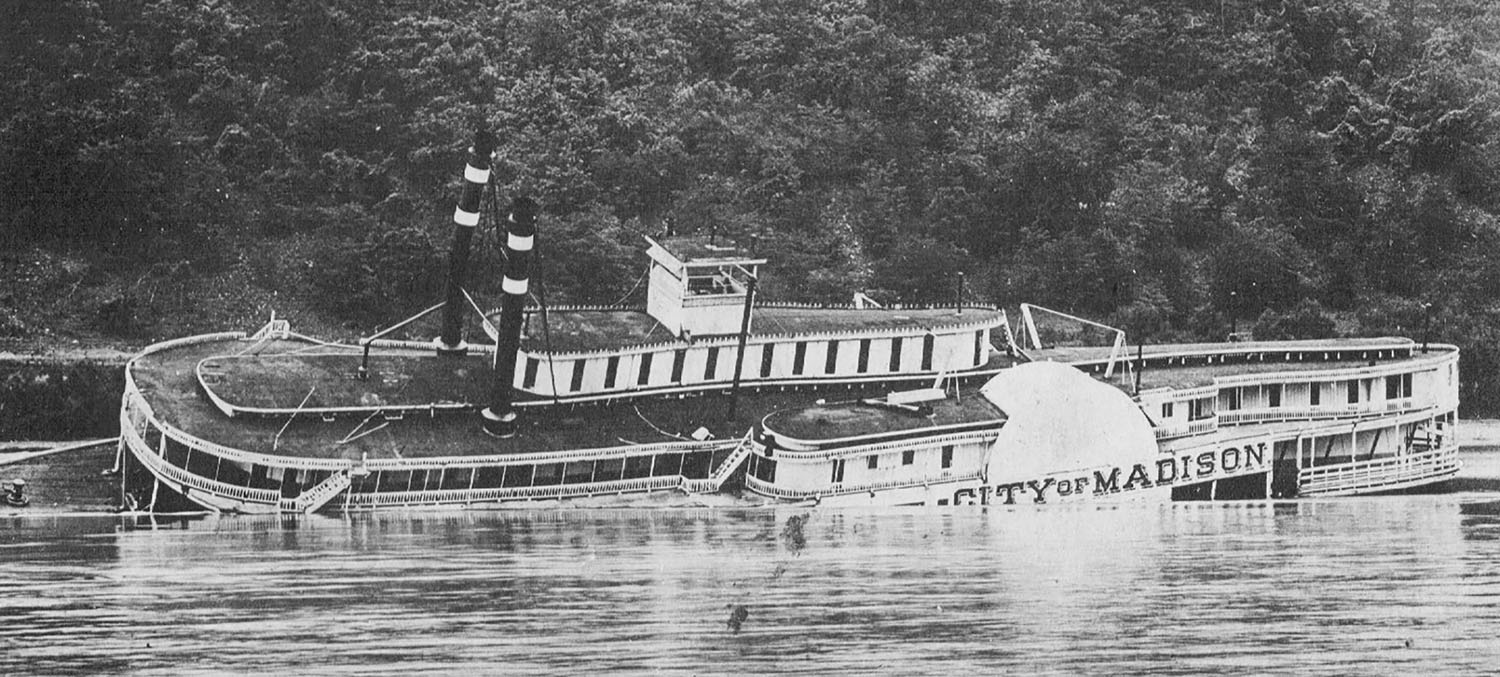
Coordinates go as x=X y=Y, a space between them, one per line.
x=168 y=381
x=1166 y=372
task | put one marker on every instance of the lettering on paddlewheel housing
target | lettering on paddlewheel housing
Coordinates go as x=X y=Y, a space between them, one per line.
x=1190 y=468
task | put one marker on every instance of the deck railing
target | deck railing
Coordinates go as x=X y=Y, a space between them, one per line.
x=767 y=489
x=1386 y=473
x=495 y=495
x=162 y=468
x=725 y=469
x=313 y=499
x=986 y=436
x=137 y=405
x=1198 y=427
x=1275 y=414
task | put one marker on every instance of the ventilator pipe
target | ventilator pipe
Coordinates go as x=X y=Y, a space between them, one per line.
x=465 y=219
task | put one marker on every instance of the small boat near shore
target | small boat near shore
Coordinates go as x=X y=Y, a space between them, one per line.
x=703 y=388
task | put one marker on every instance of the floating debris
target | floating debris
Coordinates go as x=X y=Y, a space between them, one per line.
x=792 y=534
x=737 y=617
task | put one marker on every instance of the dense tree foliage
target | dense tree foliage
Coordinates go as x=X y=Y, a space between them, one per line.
x=1300 y=167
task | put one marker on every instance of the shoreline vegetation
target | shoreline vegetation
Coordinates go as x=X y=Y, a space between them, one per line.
x=1182 y=170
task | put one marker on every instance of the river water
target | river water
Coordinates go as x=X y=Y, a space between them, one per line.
x=1378 y=585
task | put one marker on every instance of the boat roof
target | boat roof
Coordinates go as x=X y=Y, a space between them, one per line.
x=855 y=418
x=168 y=379
x=1191 y=365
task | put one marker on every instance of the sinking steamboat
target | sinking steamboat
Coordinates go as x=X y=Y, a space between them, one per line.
x=702 y=388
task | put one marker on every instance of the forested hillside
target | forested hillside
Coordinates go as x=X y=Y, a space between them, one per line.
x=1295 y=167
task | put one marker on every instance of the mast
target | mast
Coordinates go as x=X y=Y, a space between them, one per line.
x=500 y=417
x=465 y=219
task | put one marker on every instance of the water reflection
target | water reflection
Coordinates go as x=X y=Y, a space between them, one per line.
x=1313 y=587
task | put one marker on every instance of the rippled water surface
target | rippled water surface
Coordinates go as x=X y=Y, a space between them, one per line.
x=1387 y=585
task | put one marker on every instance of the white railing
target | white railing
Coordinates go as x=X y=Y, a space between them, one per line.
x=767 y=489
x=135 y=399
x=1198 y=427
x=1387 y=473
x=1417 y=363
x=318 y=496
x=495 y=495
x=1274 y=414
x=160 y=467
x=725 y=469
x=984 y=436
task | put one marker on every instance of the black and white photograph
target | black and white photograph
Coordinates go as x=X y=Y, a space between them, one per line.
x=749 y=337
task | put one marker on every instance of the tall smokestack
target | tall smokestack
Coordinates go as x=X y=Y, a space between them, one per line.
x=465 y=218
x=500 y=417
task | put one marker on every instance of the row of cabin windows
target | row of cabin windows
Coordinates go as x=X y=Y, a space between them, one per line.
x=291 y=481
x=908 y=457
x=692 y=465
x=767 y=361
x=1397 y=386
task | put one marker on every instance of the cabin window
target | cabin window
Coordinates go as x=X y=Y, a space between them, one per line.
x=765 y=470
x=767 y=355
x=489 y=477
x=517 y=476
x=176 y=453
x=529 y=380
x=711 y=366
x=896 y=354
x=1353 y=391
x=1315 y=394
x=978 y=346
x=838 y=471
x=578 y=472
x=908 y=457
x=1233 y=399
x=637 y=467
x=202 y=464
x=391 y=481
x=929 y=343
x=611 y=369
x=947 y=456
x=799 y=358
x=872 y=462
x=697 y=465
x=547 y=474
x=1166 y=410
x=1200 y=408
x=577 y=381
x=831 y=364
x=679 y=358
x=608 y=469
x=667 y=465
x=1406 y=385
x=456 y=478
x=645 y=375
x=1273 y=395
x=864 y=356
x=232 y=472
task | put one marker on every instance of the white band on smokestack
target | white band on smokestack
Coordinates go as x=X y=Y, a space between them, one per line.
x=464 y=218
x=516 y=287
x=520 y=244
x=474 y=174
